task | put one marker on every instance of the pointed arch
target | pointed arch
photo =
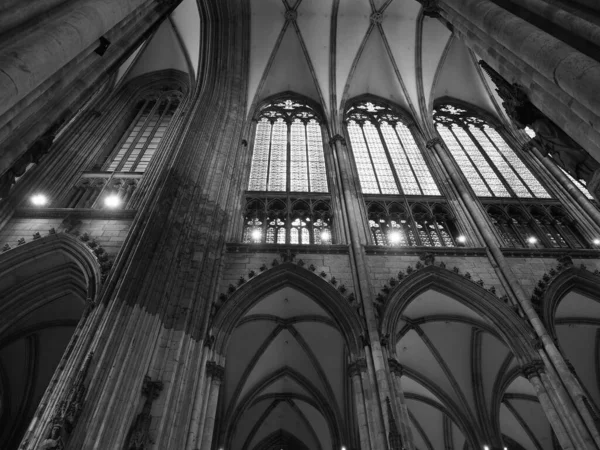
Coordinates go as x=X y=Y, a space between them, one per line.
x=571 y=280
x=314 y=106
x=45 y=288
x=287 y=275
x=278 y=439
x=321 y=404
x=57 y=262
x=510 y=326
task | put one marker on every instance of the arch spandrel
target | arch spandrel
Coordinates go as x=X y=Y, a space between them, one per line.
x=509 y=325
x=287 y=274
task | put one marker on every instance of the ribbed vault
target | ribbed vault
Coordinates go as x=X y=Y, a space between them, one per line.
x=43 y=290
x=333 y=50
x=461 y=377
x=286 y=358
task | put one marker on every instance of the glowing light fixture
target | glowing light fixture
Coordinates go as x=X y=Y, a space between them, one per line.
x=39 y=199
x=532 y=240
x=256 y=235
x=395 y=237
x=596 y=241
x=461 y=239
x=325 y=235
x=112 y=201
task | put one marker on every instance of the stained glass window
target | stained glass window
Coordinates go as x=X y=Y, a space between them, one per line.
x=538 y=226
x=141 y=140
x=279 y=221
x=288 y=150
x=420 y=224
x=491 y=167
x=386 y=154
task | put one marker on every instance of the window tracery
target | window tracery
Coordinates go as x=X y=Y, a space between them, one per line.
x=535 y=226
x=153 y=114
x=492 y=168
x=394 y=223
x=288 y=168
x=279 y=221
x=387 y=156
x=288 y=141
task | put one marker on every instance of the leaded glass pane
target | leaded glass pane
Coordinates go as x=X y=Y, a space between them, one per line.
x=366 y=174
x=278 y=166
x=281 y=236
x=260 y=157
x=380 y=161
x=517 y=165
x=316 y=157
x=417 y=161
x=408 y=182
x=479 y=160
x=298 y=160
x=464 y=163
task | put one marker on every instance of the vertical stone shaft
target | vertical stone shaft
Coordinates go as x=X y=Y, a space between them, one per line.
x=27 y=63
x=211 y=413
x=359 y=401
x=572 y=71
x=580 y=431
x=381 y=387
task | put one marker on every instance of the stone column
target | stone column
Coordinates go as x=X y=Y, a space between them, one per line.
x=30 y=61
x=568 y=185
x=513 y=285
x=575 y=73
x=216 y=373
x=354 y=372
x=532 y=373
x=405 y=428
x=374 y=355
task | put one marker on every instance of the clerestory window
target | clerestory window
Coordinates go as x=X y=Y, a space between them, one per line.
x=490 y=166
x=404 y=204
x=287 y=200
x=152 y=116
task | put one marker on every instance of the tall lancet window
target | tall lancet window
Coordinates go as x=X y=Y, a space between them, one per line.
x=491 y=167
x=403 y=201
x=287 y=199
x=520 y=208
x=153 y=114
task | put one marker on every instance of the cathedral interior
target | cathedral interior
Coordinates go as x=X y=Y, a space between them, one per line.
x=300 y=224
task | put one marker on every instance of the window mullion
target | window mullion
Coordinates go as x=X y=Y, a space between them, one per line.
x=509 y=163
x=138 y=137
x=490 y=162
x=308 y=179
x=151 y=136
x=126 y=135
x=370 y=157
x=490 y=190
x=269 y=155
x=389 y=159
x=408 y=159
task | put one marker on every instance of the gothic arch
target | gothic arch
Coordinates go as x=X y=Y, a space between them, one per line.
x=570 y=280
x=283 y=275
x=286 y=335
x=508 y=324
x=46 y=286
x=477 y=111
x=406 y=117
x=315 y=106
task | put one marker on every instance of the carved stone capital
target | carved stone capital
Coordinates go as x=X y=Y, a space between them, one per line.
x=151 y=389
x=431 y=143
x=395 y=367
x=430 y=8
x=336 y=138
x=358 y=366
x=533 y=369
x=215 y=371
x=384 y=340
